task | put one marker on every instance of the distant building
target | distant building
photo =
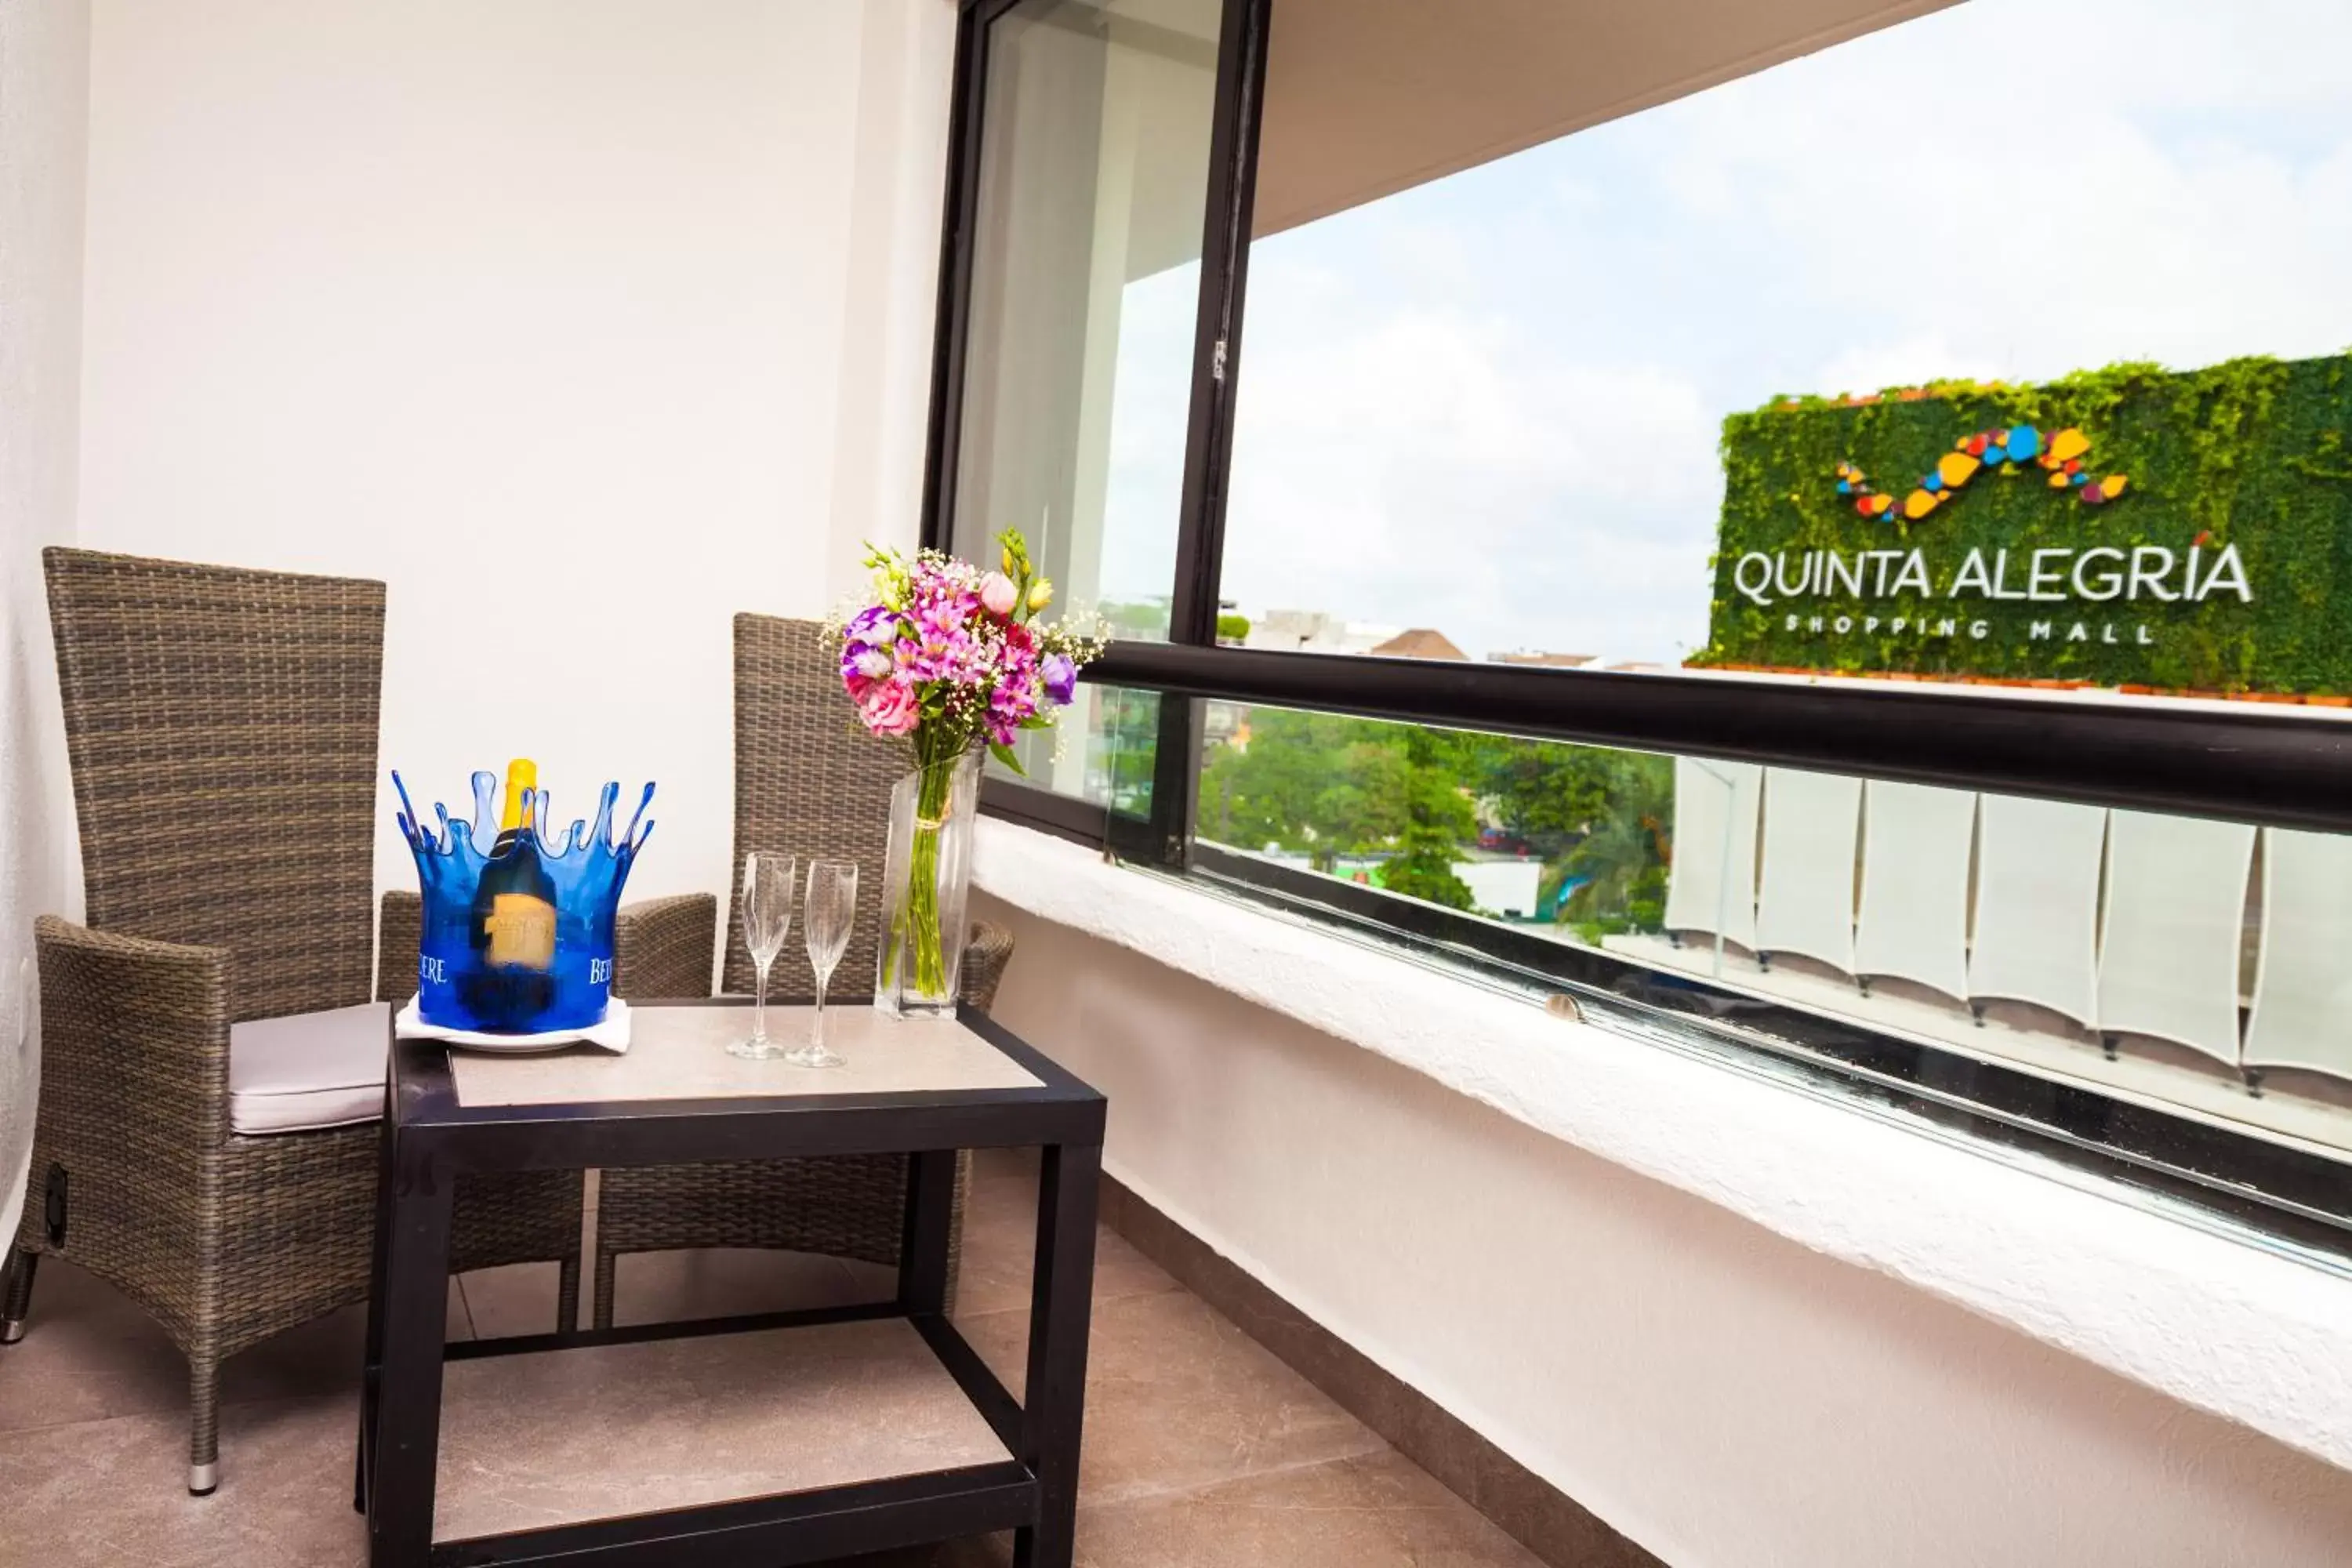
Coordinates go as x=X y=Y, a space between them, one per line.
x=1547 y=660
x=1420 y=643
x=1511 y=887
x=1314 y=631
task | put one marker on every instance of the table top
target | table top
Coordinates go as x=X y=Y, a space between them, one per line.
x=912 y=1084
x=680 y=1053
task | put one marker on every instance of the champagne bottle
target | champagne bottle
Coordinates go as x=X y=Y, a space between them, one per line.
x=513 y=915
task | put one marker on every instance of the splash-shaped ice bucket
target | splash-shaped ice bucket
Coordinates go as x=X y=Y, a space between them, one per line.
x=458 y=984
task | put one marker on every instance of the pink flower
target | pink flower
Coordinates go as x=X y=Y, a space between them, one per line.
x=997 y=592
x=890 y=709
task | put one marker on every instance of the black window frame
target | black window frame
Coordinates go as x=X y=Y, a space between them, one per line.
x=2259 y=766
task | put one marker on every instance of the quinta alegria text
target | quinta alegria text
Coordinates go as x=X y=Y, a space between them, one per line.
x=2102 y=572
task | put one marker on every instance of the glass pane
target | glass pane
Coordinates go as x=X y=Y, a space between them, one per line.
x=1108 y=738
x=1086 y=274
x=2165 y=961
x=1802 y=374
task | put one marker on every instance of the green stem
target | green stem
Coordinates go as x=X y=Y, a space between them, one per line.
x=920 y=923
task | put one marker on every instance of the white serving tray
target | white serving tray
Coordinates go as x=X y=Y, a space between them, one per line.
x=612 y=1034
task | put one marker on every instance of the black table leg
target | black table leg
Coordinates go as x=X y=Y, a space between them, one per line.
x=1054 y=1408
x=372 y=1360
x=930 y=1221
x=414 y=1304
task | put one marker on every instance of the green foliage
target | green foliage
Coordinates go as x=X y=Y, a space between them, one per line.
x=1334 y=788
x=1438 y=819
x=1329 y=787
x=1145 y=618
x=2251 y=452
x=1308 y=782
x=1127 y=739
x=1232 y=628
x=1544 y=793
x=1623 y=860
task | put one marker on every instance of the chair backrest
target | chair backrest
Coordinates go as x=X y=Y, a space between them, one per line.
x=221 y=726
x=808 y=782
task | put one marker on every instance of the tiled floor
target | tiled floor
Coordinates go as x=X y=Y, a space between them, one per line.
x=1201 y=1450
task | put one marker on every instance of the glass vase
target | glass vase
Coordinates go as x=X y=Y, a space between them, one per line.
x=927 y=880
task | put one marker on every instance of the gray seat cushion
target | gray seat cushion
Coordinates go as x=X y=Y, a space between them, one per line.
x=309 y=1071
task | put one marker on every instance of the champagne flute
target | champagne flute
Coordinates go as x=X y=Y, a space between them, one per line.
x=827 y=916
x=767 y=916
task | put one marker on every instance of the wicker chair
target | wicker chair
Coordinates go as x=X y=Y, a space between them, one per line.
x=222 y=729
x=806 y=783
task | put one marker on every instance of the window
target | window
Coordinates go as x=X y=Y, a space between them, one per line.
x=1594 y=451
x=1088 y=190
x=1586 y=405
x=1943 y=936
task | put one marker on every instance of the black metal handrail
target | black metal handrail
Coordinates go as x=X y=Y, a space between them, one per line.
x=2264 y=765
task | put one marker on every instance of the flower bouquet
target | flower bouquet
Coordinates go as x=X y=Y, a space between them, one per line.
x=951 y=661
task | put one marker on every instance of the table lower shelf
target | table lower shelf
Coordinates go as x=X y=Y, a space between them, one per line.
x=588 y=1433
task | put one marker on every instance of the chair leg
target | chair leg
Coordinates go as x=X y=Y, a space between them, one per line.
x=603 y=1304
x=567 y=1296
x=23 y=1262
x=204 y=1424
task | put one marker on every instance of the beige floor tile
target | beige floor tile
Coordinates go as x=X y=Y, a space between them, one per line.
x=113 y=1493
x=1178 y=1397
x=1001 y=1245
x=1201 y=1450
x=89 y=1353
x=1004 y=1164
x=1375 y=1510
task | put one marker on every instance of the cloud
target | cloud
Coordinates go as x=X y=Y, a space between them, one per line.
x=1421 y=467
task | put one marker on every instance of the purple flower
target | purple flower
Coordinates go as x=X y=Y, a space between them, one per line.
x=874 y=624
x=1061 y=679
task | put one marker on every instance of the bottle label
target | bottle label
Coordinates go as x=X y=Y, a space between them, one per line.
x=521 y=930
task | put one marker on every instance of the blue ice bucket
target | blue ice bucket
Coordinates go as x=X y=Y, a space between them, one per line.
x=518 y=931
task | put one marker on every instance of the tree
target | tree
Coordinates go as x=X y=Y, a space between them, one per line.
x=1623 y=861
x=1439 y=818
x=1541 y=791
x=1264 y=792
x=1327 y=787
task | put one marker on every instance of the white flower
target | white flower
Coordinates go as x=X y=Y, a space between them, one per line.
x=873 y=664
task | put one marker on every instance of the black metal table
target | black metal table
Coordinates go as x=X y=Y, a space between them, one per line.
x=982 y=1089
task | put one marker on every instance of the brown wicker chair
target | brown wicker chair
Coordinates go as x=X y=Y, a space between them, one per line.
x=806 y=783
x=222 y=729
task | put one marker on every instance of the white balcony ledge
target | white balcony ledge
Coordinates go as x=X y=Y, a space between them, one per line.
x=2221 y=1324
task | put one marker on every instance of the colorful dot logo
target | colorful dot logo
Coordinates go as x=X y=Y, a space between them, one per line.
x=2006 y=449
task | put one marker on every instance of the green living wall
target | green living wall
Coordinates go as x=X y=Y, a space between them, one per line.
x=2253 y=454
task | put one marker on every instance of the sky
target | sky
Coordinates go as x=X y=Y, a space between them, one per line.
x=1490 y=405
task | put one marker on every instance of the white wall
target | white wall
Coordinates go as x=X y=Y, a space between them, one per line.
x=1723 y=1396
x=44 y=82
x=583 y=323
